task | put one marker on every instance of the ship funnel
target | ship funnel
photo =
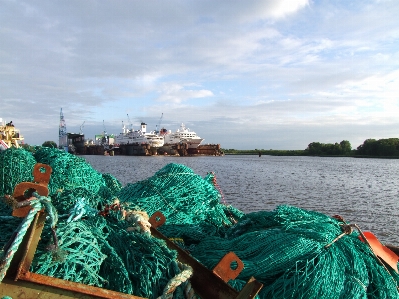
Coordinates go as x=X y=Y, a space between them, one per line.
x=143 y=127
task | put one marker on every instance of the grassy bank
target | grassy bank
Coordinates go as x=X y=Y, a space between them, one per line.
x=265 y=152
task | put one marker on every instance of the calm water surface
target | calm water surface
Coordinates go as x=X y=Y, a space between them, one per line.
x=363 y=191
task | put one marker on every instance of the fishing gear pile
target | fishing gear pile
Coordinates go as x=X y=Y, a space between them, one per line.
x=183 y=197
x=296 y=254
x=104 y=238
x=72 y=177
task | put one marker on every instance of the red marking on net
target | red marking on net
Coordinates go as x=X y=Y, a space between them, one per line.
x=215 y=183
x=108 y=208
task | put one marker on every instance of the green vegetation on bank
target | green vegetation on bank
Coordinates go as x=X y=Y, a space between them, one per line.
x=264 y=152
x=343 y=148
x=381 y=148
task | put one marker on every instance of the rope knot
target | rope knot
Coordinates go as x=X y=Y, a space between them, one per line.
x=139 y=221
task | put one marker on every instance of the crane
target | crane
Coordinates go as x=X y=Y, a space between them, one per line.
x=105 y=139
x=105 y=130
x=159 y=124
x=130 y=123
x=81 y=128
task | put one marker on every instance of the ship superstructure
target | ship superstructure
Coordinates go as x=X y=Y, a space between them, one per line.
x=131 y=136
x=182 y=135
x=9 y=135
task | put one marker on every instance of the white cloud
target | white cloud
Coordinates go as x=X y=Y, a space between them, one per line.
x=176 y=93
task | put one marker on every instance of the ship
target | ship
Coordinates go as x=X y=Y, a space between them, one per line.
x=182 y=135
x=9 y=135
x=140 y=137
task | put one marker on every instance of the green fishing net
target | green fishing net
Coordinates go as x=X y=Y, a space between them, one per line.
x=295 y=253
x=8 y=223
x=72 y=177
x=15 y=167
x=285 y=249
x=101 y=252
x=69 y=171
x=78 y=257
x=183 y=197
x=94 y=244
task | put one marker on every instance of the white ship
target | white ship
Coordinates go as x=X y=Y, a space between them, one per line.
x=138 y=137
x=182 y=135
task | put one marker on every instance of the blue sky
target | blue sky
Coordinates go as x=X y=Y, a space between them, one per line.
x=245 y=74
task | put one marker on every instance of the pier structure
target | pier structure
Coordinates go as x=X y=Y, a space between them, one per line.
x=145 y=150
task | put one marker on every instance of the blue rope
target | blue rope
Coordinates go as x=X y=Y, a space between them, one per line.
x=80 y=210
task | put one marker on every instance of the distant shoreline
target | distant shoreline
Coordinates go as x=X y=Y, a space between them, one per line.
x=302 y=153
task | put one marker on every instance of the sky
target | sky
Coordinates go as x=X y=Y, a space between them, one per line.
x=271 y=74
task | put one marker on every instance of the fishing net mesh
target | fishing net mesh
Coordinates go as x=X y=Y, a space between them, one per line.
x=72 y=177
x=183 y=197
x=293 y=252
x=15 y=167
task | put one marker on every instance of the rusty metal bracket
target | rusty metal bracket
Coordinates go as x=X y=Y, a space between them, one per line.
x=206 y=283
x=224 y=269
x=23 y=191
x=157 y=219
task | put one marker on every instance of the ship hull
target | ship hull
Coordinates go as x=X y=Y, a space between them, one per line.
x=192 y=143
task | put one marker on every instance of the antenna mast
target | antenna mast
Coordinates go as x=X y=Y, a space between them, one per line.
x=62 y=133
x=81 y=128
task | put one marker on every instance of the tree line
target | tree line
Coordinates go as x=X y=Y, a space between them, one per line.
x=343 y=148
x=388 y=147
x=380 y=148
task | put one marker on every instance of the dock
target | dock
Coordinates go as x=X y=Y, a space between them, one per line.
x=181 y=150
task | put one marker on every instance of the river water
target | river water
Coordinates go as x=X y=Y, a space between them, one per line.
x=362 y=191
